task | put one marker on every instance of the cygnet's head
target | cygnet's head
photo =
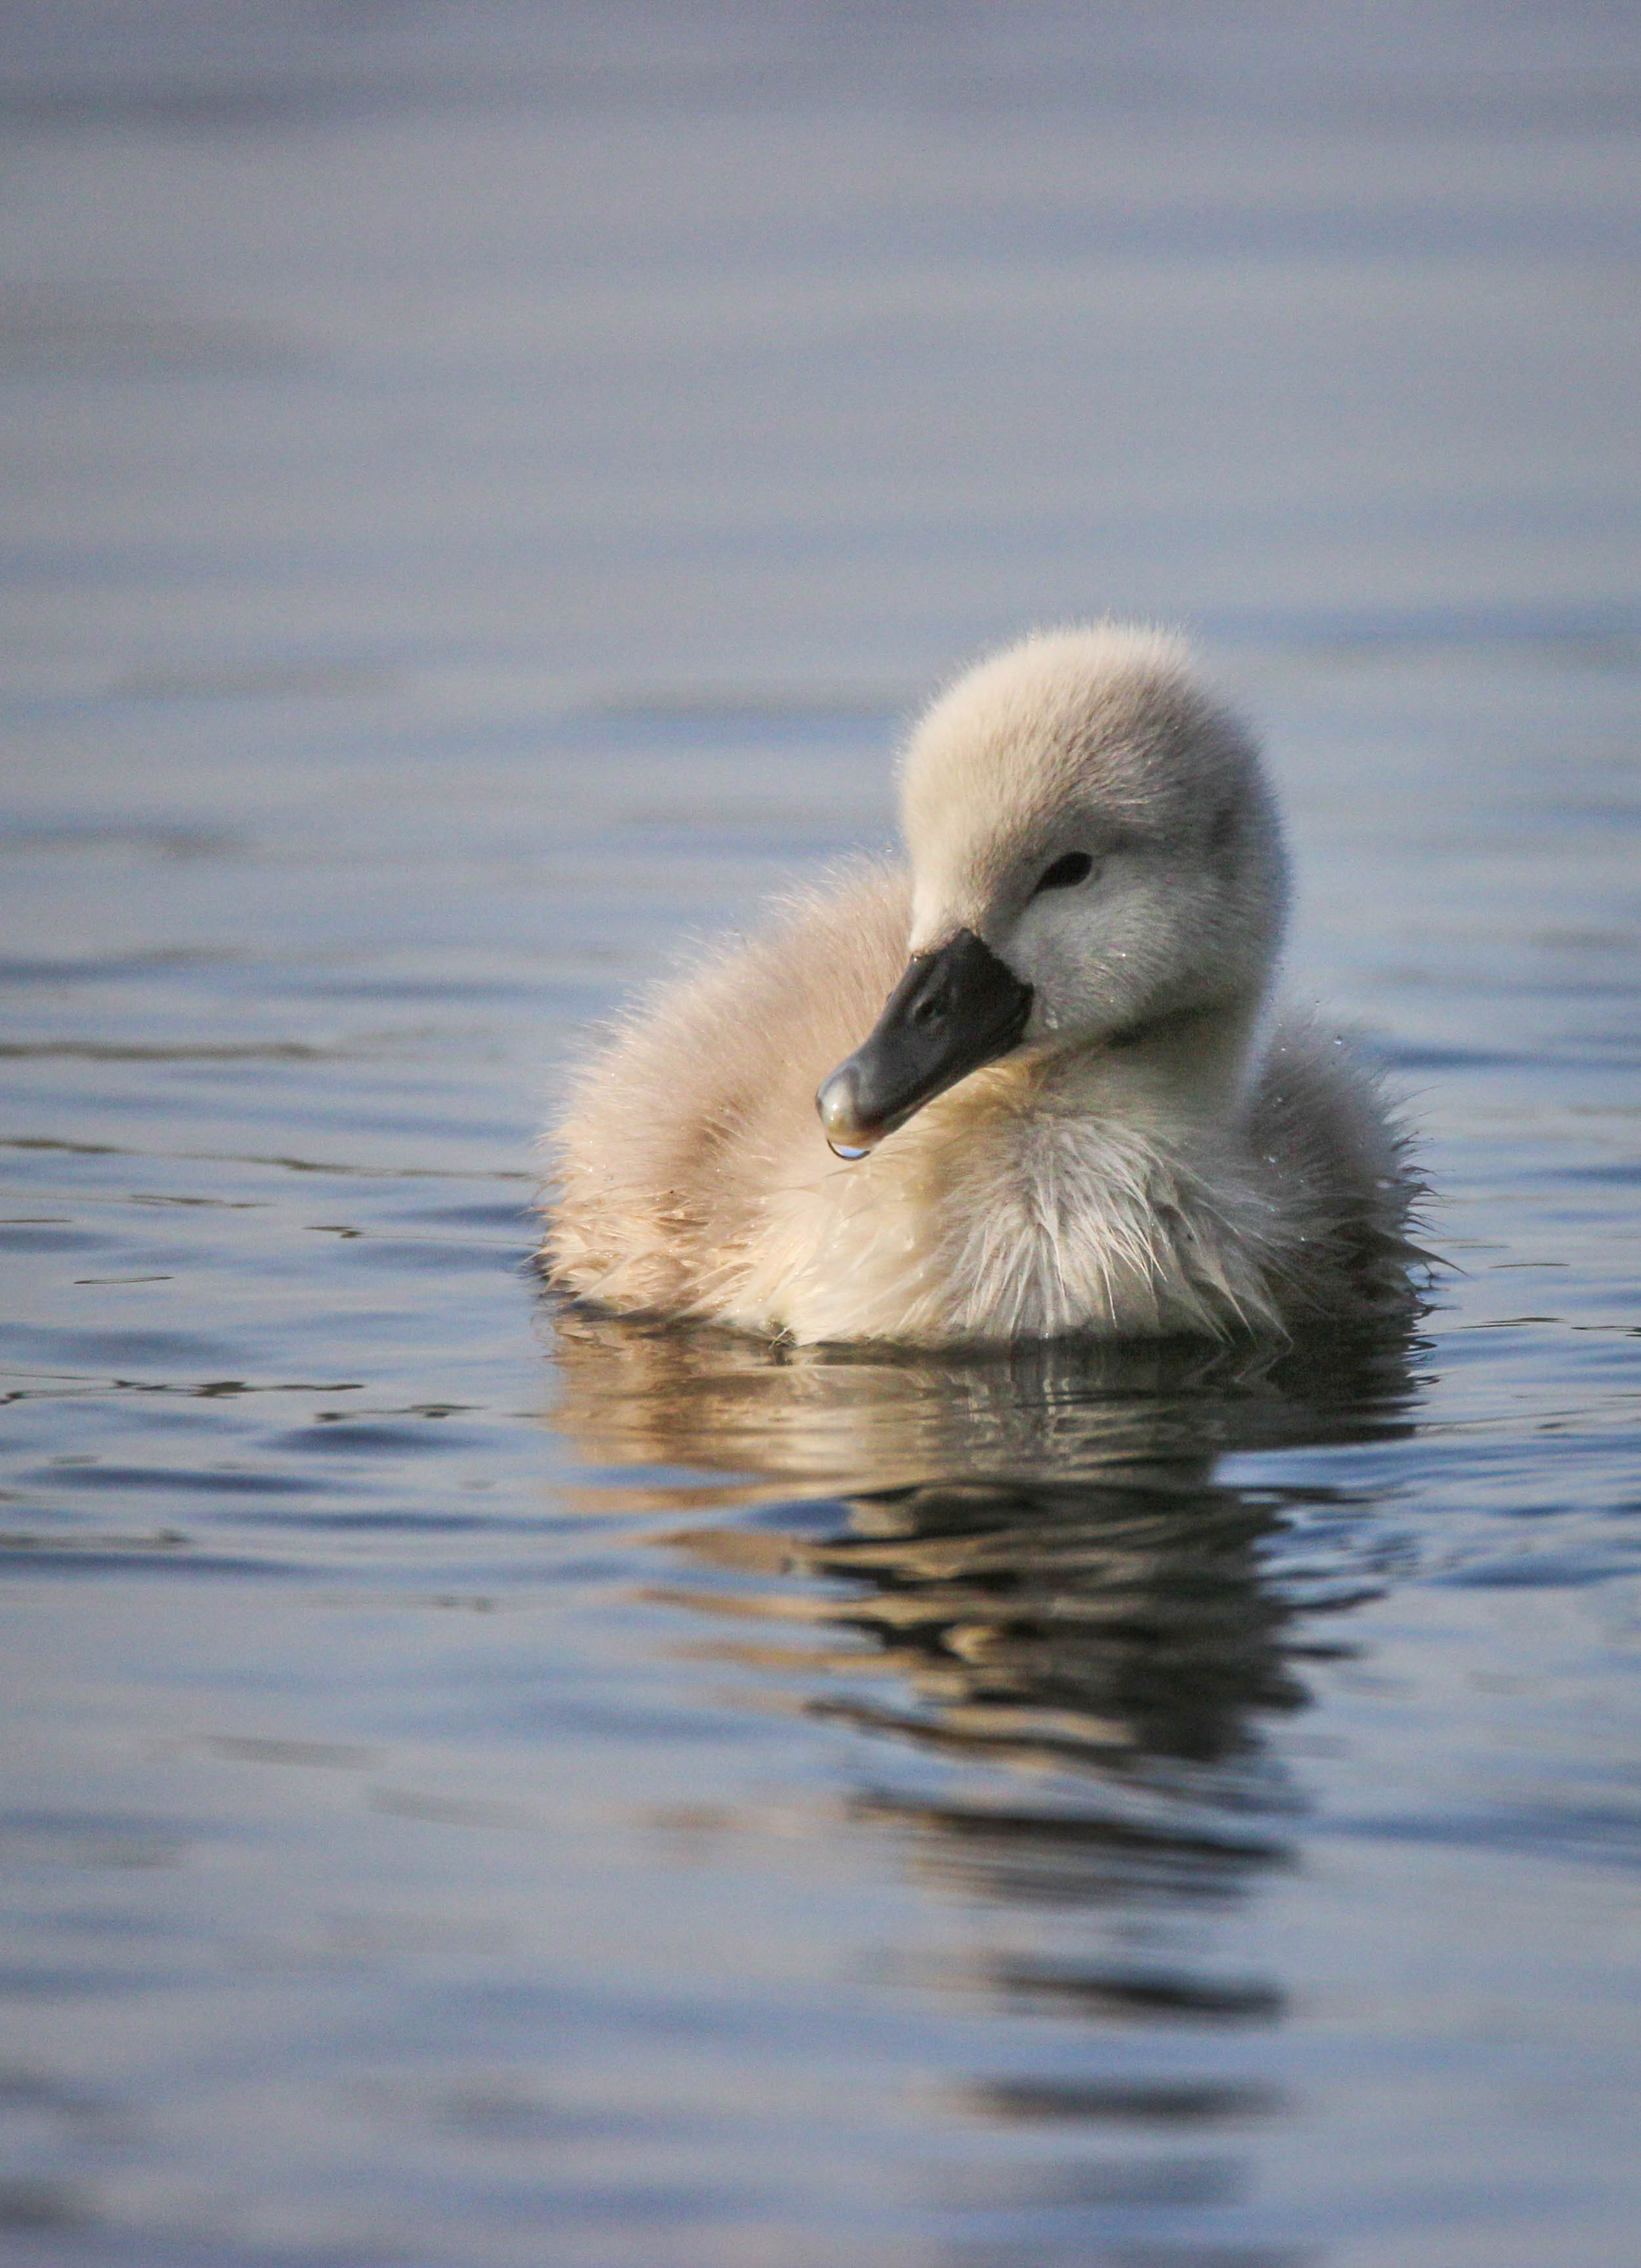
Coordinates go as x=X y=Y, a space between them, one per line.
x=1095 y=855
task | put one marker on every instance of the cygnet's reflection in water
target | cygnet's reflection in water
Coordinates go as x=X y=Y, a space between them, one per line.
x=1025 y=1573
x=872 y=1417
x=1036 y=1543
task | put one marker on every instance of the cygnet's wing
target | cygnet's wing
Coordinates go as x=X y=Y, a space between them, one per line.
x=679 y=1121
x=1341 y=1171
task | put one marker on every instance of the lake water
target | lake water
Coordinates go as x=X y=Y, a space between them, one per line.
x=486 y=1787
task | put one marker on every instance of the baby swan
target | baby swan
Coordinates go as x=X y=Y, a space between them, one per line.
x=1073 y=1113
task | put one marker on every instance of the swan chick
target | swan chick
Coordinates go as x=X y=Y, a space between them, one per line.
x=1030 y=1084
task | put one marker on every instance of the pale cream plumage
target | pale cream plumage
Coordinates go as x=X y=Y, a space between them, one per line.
x=1154 y=1154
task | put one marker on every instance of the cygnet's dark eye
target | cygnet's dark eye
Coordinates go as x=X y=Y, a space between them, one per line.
x=1065 y=872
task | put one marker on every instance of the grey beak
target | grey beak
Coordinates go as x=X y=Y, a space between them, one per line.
x=952 y=1012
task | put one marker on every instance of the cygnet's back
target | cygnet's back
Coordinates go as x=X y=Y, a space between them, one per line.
x=1068 y=1110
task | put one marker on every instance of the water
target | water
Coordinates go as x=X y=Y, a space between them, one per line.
x=492 y=1787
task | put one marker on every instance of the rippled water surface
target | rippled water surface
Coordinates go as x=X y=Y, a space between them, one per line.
x=487 y=1785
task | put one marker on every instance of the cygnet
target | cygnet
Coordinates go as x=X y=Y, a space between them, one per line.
x=1030 y=1085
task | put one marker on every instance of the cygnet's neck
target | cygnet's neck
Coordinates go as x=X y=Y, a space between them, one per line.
x=1180 y=1073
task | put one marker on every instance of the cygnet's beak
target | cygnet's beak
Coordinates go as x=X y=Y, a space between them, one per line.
x=952 y=1012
